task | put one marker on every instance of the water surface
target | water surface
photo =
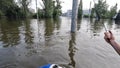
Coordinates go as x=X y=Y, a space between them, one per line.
x=32 y=43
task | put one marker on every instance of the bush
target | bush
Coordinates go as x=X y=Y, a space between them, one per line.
x=1 y=14
x=86 y=16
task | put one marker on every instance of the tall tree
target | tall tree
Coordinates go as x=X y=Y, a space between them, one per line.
x=51 y=8
x=24 y=4
x=80 y=8
x=48 y=8
x=101 y=8
x=74 y=15
x=92 y=15
x=57 y=9
x=9 y=8
x=113 y=11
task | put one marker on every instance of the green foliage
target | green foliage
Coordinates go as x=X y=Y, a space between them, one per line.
x=86 y=16
x=113 y=11
x=80 y=10
x=20 y=9
x=8 y=8
x=41 y=13
x=1 y=14
x=24 y=7
x=92 y=13
x=50 y=9
x=57 y=9
x=11 y=10
x=101 y=8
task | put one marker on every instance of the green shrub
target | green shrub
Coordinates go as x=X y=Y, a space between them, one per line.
x=86 y=16
x=1 y=14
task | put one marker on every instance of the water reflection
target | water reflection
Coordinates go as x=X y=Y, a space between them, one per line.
x=28 y=38
x=28 y=33
x=79 y=24
x=49 y=27
x=23 y=38
x=96 y=26
x=57 y=22
x=9 y=32
x=72 y=49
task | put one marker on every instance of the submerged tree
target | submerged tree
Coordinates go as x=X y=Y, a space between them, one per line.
x=80 y=10
x=113 y=11
x=101 y=8
x=24 y=6
x=14 y=8
x=57 y=9
x=48 y=8
x=51 y=8
x=9 y=9
x=92 y=15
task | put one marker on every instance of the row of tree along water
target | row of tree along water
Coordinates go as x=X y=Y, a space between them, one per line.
x=50 y=9
x=100 y=8
x=20 y=9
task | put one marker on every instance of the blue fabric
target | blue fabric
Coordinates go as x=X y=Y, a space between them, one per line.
x=46 y=66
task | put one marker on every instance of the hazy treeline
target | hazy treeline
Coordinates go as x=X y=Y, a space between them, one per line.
x=50 y=9
x=20 y=9
x=12 y=9
x=102 y=9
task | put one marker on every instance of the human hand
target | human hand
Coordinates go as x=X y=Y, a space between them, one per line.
x=109 y=37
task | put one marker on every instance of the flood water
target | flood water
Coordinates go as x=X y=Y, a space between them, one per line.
x=32 y=43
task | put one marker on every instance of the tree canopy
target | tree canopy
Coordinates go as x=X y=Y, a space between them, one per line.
x=10 y=9
x=80 y=9
x=101 y=9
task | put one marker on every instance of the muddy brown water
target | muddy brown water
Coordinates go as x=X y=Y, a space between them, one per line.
x=30 y=44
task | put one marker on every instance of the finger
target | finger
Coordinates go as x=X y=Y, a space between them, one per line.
x=106 y=39
x=111 y=33
x=106 y=34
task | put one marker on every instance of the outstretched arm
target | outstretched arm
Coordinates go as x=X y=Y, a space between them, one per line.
x=111 y=40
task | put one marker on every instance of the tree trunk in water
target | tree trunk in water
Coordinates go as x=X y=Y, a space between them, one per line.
x=74 y=15
x=37 y=10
